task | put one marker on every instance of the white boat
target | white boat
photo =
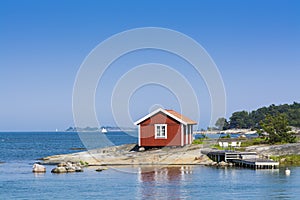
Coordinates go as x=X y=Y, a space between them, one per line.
x=103 y=130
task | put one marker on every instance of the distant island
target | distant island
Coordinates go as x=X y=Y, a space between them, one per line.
x=100 y=129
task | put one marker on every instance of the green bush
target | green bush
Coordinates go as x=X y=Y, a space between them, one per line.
x=278 y=129
x=198 y=141
x=84 y=163
x=216 y=146
x=287 y=159
x=254 y=141
x=226 y=136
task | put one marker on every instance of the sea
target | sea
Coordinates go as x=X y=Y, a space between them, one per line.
x=20 y=150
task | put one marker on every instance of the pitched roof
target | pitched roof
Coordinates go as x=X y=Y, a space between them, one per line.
x=171 y=113
x=180 y=116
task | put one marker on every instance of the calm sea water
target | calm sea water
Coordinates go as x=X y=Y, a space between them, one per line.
x=20 y=150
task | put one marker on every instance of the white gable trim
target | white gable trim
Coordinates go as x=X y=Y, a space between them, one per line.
x=157 y=111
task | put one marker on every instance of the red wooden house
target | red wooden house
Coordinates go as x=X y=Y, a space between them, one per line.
x=165 y=128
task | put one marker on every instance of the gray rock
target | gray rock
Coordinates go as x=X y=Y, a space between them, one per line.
x=78 y=169
x=142 y=149
x=100 y=169
x=277 y=150
x=69 y=164
x=119 y=155
x=62 y=164
x=222 y=164
x=59 y=170
x=78 y=164
x=282 y=160
x=70 y=169
x=37 y=168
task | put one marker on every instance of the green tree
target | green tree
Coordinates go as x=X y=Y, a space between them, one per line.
x=240 y=120
x=278 y=129
x=221 y=124
x=257 y=116
x=243 y=119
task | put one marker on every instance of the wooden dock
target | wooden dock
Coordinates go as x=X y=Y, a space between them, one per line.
x=257 y=163
x=243 y=159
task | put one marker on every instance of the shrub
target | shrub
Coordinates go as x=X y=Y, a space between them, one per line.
x=198 y=141
x=287 y=159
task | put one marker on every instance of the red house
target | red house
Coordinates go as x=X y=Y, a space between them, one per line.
x=165 y=128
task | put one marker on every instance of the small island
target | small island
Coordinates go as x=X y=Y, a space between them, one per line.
x=276 y=141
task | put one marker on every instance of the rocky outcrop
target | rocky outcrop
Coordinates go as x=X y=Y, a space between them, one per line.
x=276 y=150
x=68 y=167
x=129 y=154
x=59 y=170
x=220 y=164
x=123 y=155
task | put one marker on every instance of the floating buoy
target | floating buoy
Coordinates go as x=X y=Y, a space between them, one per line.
x=287 y=171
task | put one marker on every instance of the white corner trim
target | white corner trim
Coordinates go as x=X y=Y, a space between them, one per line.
x=191 y=136
x=187 y=134
x=139 y=132
x=181 y=134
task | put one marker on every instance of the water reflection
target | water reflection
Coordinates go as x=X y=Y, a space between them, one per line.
x=162 y=182
x=39 y=175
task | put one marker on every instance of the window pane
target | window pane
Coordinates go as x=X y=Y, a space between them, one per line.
x=158 y=130
x=163 y=131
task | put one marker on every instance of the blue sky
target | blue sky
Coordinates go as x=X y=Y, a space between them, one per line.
x=255 y=44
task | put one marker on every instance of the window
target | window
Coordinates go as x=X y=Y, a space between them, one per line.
x=161 y=131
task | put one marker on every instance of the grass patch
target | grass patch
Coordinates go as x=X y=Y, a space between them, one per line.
x=198 y=141
x=258 y=141
x=84 y=163
x=216 y=146
x=254 y=141
x=226 y=136
x=287 y=159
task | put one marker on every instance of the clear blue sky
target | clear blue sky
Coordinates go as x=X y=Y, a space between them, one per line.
x=255 y=44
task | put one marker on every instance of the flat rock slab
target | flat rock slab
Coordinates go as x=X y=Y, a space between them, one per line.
x=276 y=150
x=122 y=155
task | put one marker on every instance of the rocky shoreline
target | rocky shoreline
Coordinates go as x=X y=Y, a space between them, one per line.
x=126 y=155
x=276 y=150
x=187 y=155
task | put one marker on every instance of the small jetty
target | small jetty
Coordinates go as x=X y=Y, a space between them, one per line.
x=242 y=159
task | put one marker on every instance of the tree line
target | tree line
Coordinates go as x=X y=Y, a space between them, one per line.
x=254 y=119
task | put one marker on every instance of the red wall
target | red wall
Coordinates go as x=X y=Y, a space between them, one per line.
x=147 y=131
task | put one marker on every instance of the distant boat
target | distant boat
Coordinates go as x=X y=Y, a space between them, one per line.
x=103 y=130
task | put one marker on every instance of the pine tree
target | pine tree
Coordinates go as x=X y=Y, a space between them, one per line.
x=278 y=129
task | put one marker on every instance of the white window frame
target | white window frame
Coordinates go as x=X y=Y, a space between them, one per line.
x=166 y=131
